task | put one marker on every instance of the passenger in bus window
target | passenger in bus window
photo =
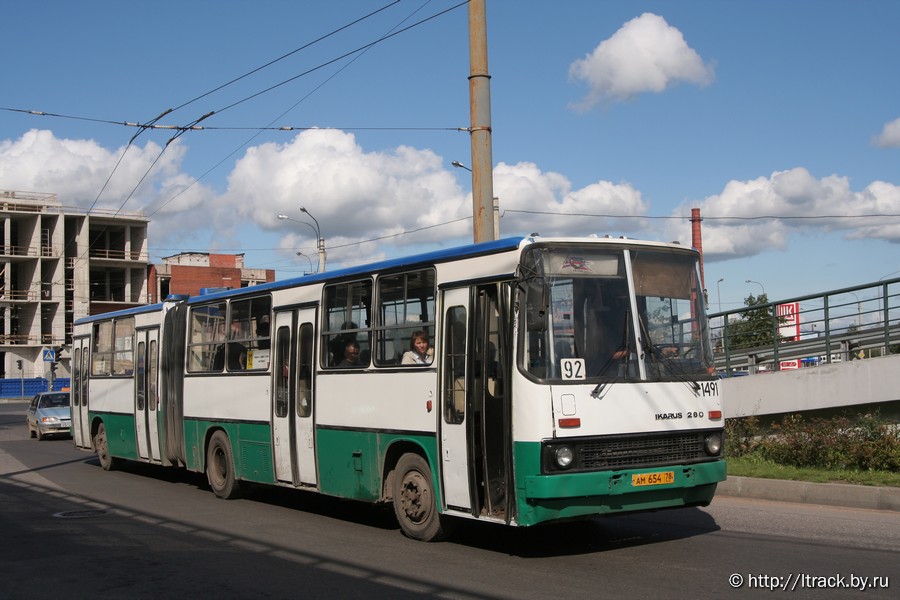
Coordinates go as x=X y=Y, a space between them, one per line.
x=420 y=352
x=218 y=359
x=351 y=355
x=262 y=332
x=338 y=343
x=237 y=352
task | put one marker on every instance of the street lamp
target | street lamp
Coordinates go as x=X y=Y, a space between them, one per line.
x=320 y=241
x=719 y=292
x=759 y=284
x=307 y=260
x=496 y=201
x=858 y=310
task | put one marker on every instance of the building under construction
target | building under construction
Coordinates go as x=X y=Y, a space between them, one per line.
x=58 y=264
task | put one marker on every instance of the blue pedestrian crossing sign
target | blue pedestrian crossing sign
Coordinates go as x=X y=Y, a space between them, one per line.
x=49 y=355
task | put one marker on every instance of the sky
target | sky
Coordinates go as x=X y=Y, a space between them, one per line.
x=779 y=120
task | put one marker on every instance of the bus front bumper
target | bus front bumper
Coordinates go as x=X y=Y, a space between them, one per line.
x=572 y=495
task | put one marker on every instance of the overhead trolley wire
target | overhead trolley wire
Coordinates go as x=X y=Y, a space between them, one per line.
x=705 y=218
x=358 y=52
x=194 y=125
x=291 y=53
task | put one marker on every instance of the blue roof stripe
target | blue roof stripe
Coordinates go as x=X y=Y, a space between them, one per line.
x=437 y=256
x=125 y=312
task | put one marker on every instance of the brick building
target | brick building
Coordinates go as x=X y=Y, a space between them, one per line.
x=190 y=272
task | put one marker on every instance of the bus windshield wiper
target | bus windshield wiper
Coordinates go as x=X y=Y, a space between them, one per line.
x=671 y=366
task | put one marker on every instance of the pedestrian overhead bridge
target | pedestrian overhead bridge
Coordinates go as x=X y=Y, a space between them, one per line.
x=838 y=349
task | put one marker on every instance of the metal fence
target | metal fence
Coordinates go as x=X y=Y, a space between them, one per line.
x=852 y=323
x=28 y=387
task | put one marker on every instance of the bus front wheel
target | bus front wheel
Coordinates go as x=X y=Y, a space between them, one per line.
x=220 y=467
x=415 y=501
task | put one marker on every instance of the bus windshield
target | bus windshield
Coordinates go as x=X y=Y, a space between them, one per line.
x=586 y=319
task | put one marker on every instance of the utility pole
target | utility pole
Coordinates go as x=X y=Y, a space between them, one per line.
x=480 y=125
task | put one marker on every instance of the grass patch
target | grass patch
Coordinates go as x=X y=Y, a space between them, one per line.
x=752 y=466
x=858 y=449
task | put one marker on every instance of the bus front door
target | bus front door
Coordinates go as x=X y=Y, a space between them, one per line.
x=81 y=371
x=292 y=397
x=474 y=402
x=456 y=463
x=146 y=395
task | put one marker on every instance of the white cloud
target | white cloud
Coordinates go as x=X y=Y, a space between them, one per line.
x=889 y=136
x=77 y=170
x=358 y=195
x=645 y=55
x=534 y=201
x=797 y=194
x=353 y=194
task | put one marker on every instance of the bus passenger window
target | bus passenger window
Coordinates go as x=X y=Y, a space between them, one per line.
x=206 y=338
x=248 y=339
x=346 y=319
x=405 y=307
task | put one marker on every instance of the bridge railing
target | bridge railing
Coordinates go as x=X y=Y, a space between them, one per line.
x=845 y=324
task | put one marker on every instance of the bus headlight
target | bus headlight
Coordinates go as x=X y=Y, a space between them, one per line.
x=564 y=456
x=713 y=444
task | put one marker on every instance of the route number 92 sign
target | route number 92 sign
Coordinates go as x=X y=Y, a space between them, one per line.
x=572 y=368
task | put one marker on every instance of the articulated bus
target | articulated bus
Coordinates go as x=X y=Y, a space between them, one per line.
x=570 y=377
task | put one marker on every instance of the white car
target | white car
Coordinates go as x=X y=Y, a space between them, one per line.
x=49 y=414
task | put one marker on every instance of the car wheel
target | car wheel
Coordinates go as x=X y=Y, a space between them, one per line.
x=40 y=436
x=31 y=432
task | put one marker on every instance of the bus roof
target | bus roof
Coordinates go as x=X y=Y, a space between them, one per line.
x=437 y=256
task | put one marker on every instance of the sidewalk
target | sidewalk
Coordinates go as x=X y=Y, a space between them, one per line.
x=830 y=494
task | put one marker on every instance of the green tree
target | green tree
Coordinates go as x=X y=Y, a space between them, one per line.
x=758 y=325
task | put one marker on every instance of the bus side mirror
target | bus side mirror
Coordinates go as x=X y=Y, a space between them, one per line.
x=536 y=319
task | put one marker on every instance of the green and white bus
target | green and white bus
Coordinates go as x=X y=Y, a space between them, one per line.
x=570 y=377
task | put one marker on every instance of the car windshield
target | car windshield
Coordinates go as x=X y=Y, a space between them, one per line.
x=583 y=321
x=54 y=401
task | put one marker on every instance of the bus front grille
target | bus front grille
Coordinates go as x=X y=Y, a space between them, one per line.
x=642 y=451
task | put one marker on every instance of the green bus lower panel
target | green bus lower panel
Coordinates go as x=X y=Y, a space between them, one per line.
x=121 y=438
x=350 y=462
x=570 y=495
x=251 y=445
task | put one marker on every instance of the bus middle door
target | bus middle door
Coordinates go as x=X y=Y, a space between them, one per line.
x=146 y=390
x=81 y=373
x=292 y=397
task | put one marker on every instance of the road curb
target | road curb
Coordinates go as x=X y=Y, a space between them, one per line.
x=829 y=494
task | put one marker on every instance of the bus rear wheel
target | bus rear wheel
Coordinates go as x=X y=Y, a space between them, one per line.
x=101 y=446
x=414 y=500
x=220 y=467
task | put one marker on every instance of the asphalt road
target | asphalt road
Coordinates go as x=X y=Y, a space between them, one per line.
x=69 y=529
